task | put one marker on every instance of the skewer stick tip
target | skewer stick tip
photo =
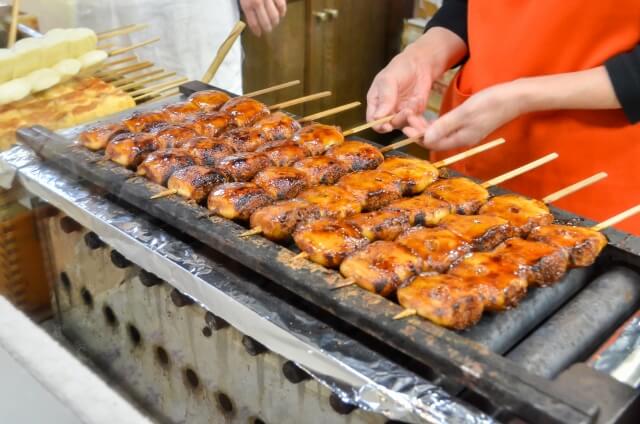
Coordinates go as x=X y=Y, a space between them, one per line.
x=252 y=232
x=405 y=314
x=348 y=282
x=367 y=125
x=164 y=193
x=301 y=255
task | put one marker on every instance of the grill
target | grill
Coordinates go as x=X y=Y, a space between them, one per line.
x=517 y=360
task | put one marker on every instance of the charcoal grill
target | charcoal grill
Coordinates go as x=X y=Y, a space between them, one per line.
x=526 y=362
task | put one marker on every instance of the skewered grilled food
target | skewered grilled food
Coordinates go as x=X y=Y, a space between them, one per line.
x=583 y=245
x=415 y=174
x=328 y=241
x=422 y=210
x=524 y=214
x=331 y=201
x=499 y=279
x=144 y=121
x=129 y=150
x=381 y=267
x=195 y=182
x=277 y=126
x=243 y=166
x=444 y=299
x=158 y=166
x=318 y=138
x=356 y=156
x=168 y=136
x=181 y=112
x=483 y=232
x=281 y=182
x=279 y=220
x=243 y=139
x=205 y=151
x=237 y=200
x=373 y=189
x=284 y=154
x=211 y=125
x=209 y=100
x=321 y=169
x=97 y=138
x=544 y=264
x=244 y=111
x=380 y=225
x=464 y=195
x=438 y=248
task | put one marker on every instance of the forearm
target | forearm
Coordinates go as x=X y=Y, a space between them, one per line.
x=437 y=50
x=590 y=89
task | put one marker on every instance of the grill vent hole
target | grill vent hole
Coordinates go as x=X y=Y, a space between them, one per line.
x=134 y=335
x=109 y=316
x=64 y=280
x=206 y=331
x=224 y=403
x=162 y=356
x=87 y=297
x=192 y=378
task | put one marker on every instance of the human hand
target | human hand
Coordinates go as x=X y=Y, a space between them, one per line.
x=263 y=15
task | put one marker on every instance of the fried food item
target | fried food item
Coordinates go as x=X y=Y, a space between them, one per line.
x=356 y=155
x=209 y=100
x=97 y=137
x=237 y=200
x=158 y=166
x=328 y=241
x=279 y=220
x=438 y=248
x=373 y=189
x=285 y=154
x=422 y=210
x=243 y=166
x=321 y=169
x=316 y=139
x=464 y=195
x=583 y=245
x=205 y=151
x=129 y=150
x=144 y=121
x=544 y=263
x=281 y=182
x=195 y=182
x=483 y=232
x=243 y=139
x=500 y=280
x=211 y=125
x=331 y=201
x=277 y=126
x=181 y=112
x=169 y=136
x=380 y=225
x=381 y=267
x=524 y=214
x=445 y=300
x=244 y=111
x=415 y=174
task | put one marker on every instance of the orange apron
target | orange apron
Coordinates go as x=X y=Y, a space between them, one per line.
x=510 y=39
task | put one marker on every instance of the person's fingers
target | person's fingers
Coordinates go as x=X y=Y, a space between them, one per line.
x=263 y=18
x=456 y=139
x=418 y=122
x=444 y=127
x=272 y=11
x=410 y=132
x=252 y=21
x=282 y=7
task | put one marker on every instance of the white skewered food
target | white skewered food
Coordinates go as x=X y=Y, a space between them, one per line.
x=14 y=90
x=43 y=79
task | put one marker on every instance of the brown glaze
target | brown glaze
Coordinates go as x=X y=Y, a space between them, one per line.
x=129 y=149
x=237 y=200
x=380 y=225
x=500 y=280
x=483 y=232
x=281 y=182
x=207 y=152
x=464 y=195
x=415 y=174
x=544 y=263
x=158 y=166
x=328 y=241
x=195 y=182
x=437 y=247
x=181 y=112
x=422 y=210
x=524 y=214
x=277 y=126
x=373 y=189
x=243 y=139
x=381 y=267
x=321 y=169
x=285 y=154
x=318 y=138
x=244 y=111
x=243 y=166
x=209 y=100
x=97 y=138
x=169 y=136
x=583 y=245
x=211 y=125
x=278 y=221
x=144 y=121
x=356 y=155
x=445 y=300
x=331 y=201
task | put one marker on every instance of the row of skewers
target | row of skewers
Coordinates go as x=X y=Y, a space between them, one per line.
x=447 y=250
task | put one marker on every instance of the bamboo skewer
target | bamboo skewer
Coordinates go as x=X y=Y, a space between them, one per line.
x=468 y=153
x=137 y=77
x=519 y=171
x=13 y=26
x=117 y=73
x=553 y=197
x=128 y=29
x=329 y=112
x=300 y=100
x=401 y=143
x=368 y=125
x=170 y=93
x=222 y=51
x=147 y=80
x=122 y=50
x=118 y=62
x=301 y=255
x=617 y=218
x=154 y=88
x=272 y=88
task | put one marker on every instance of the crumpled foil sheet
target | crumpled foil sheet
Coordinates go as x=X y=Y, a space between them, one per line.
x=628 y=341
x=357 y=374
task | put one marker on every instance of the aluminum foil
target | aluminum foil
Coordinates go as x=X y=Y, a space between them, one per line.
x=608 y=360
x=359 y=375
